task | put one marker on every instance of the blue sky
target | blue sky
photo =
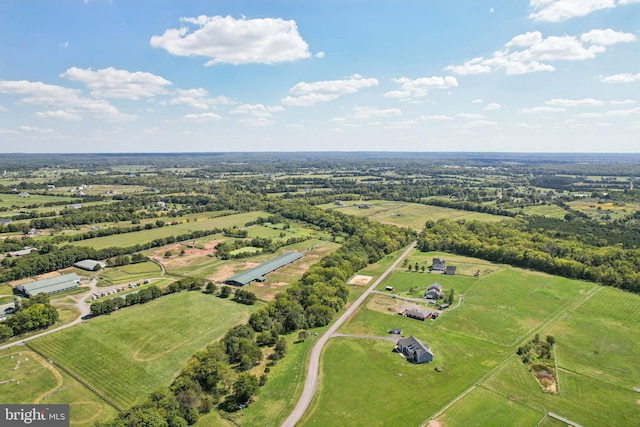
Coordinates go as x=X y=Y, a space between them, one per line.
x=319 y=75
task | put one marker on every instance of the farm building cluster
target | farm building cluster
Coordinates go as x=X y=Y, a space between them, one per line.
x=51 y=285
x=439 y=265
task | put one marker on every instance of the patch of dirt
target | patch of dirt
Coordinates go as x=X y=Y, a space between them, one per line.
x=360 y=280
x=435 y=423
x=190 y=256
x=547 y=380
x=638 y=402
x=227 y=270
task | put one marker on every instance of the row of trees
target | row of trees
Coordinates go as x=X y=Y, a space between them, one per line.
x=512 y=242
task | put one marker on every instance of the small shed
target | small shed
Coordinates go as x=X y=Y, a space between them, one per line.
x=451 y=269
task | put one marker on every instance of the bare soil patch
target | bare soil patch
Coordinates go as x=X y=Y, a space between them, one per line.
x=190 y=256
x=360 y=280
x=227 y=270
x=547 y=380
x=435 y=423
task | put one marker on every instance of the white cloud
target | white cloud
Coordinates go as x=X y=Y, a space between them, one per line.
x=491 y=10
x=469 y=116
x=58 y=114
x=4 y=131
x=607 y=37
x=235 y=41
x=371 y=112
x=34 y=129
x=611 y=113
x=112 y=83
x=338 y=120
x=197 y=98
x=402 y=124
x=258 y=110
x=493 y=106
x=527 y=126
x=477 y=101
x=625 y=102
x=587 y=102
x=203 y=117
x=436 y=117
x=3 y=109
x=562 y=10
x=621 y=78
x=307 y=94
x=69 y=100
x=531 y=52
x=538 y=110
x=628 y=1
x=420 y=87
x=320 y=55
x=256 y=121
x=65 y=44
x=480 y=124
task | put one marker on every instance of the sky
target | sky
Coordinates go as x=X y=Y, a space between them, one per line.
x=93 y=76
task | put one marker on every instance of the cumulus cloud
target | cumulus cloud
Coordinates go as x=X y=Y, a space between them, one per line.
x=58 y=114
x=371 y=112
x=203 y=117
x=257 y=114
x=531 y=52
x=469 y=116
x=621 y=78
x=68 y=100
x=197 y=98
x=588 y=102
x=611 y=113
x=607 y=37
x=307 y=94
x=538 y=110
x=420 y=87
x=480 y=124
x=235 y=41
x=436 y=117
x=493 y=106
x=562 y=10
x=625 y=102
x=112 y=83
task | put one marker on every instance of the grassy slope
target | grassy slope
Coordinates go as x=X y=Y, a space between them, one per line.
x=131 y=352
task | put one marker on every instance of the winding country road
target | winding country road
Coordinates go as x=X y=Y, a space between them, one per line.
x=311 y=382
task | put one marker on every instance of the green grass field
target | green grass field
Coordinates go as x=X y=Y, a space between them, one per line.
x=128 y=273
x=34 y=380
x=144 y=236
x=411 y=214
x=483 y=407
x=133 y=351
x=550 y=211
x=364 y=383
x=504 y=306
x=8 y=200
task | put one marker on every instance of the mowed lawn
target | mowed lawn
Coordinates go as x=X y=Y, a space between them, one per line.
x=411 y=214
x=482 y=407
x=133 y=351
x=364 y=383
x=504 y=306
x=144 y=236
x=601 y=339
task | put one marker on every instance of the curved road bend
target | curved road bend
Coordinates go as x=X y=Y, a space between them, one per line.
x=311 y=382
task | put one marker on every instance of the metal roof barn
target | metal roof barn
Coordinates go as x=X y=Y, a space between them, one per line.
x=50 y=285
x=258 y=273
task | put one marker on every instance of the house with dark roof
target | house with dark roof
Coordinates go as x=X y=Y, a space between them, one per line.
x=438 y=264
x=418 y=313
x=451 y=269
x=434 y=292
x=414 y=350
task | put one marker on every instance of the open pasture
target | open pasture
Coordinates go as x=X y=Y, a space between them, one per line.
x=133 y=351
x=595 y=209
x=353 y=369
x=410 y=214
x=582 y=399
x=465 y=266
x=129 y=273
x=550 y=211
x=13 y=199
x=601 y=338
x=144 y=236
x=503 y=307
x=483 y=407
x=412 y=284
x=34 y=380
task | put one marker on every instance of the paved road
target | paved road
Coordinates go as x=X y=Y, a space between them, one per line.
x=311 y=382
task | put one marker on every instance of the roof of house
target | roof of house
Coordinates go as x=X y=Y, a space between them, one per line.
x=258 y=273
x=50 y=285
x=89 y=264
x=451 y=269
x=5 y=221
x=436 y=286
x=413 y=344
x=26 y=251
x=417 y=312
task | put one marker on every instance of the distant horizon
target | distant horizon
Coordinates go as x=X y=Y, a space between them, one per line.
x=266 y=76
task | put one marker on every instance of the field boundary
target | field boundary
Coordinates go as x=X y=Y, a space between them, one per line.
x=564 y=420
x=76 y=377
